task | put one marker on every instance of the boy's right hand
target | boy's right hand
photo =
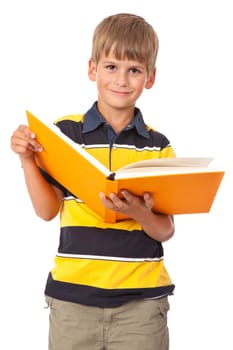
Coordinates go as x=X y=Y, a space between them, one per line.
x=23 y=142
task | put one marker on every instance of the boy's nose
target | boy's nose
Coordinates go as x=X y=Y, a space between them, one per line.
x=121 y=82
x=121 y=79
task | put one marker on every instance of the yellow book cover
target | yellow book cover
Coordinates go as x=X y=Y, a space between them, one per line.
x=179 y=185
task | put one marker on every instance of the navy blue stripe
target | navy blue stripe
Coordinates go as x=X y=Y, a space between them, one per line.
x=108 y=242
x=129 y=137
x=101 y=297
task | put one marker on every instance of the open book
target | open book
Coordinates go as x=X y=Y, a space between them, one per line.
x=179 y=185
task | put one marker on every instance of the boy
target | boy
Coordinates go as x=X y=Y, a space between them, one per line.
x=109 y=288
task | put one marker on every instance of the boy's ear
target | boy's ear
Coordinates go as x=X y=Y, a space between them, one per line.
x=92 y=70
x=151 y=79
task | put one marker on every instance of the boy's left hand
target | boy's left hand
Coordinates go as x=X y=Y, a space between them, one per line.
x=129 y=204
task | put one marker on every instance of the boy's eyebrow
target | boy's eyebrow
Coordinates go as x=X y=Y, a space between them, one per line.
x=109 y=61
x=131 y=63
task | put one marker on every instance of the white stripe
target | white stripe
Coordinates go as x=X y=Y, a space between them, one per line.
x=154 y=148
x=113 y=258
x=116 y=145
x=96 y=146
x=159 y=297
x=69 y=198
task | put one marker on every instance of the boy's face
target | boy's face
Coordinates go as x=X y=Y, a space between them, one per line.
x=119 y=82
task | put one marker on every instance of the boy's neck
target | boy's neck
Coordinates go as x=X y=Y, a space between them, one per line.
x=117 y=118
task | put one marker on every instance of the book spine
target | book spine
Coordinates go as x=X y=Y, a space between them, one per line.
x=111 y=186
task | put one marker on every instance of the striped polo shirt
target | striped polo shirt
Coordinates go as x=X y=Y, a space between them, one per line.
x=104 y=264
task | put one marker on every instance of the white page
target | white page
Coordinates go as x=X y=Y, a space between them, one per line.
x=174 y=162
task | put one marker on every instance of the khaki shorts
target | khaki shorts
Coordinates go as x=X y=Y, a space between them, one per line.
x=138 y=325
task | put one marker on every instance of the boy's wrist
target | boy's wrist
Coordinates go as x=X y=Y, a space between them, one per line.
x=25 y=161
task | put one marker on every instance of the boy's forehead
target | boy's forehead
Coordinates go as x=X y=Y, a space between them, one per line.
x=111 y=57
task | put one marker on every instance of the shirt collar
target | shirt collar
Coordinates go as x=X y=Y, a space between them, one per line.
x=93 y=119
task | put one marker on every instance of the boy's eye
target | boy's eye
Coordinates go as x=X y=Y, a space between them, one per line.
x=135 y=70
x=110 y=67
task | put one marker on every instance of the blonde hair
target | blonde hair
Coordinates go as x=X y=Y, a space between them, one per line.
x=127 y=36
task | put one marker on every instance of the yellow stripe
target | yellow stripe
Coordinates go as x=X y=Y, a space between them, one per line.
x=111 y=274
x=167 y=152
x=123 y=156
x=78 y=214
x=73 y=117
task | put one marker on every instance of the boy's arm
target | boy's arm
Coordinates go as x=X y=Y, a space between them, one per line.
x=46 y=198
x=158 y=226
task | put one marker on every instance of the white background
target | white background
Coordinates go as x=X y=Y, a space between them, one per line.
x=45 y=46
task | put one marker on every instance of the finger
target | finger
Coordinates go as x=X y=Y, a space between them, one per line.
x=23 y=139
x=22 y=133
x=25 y=129
x=105 y=201
x=127 y=195
x=148 y=200
x=116 y=201
x=35 y=146
x=30 y=137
